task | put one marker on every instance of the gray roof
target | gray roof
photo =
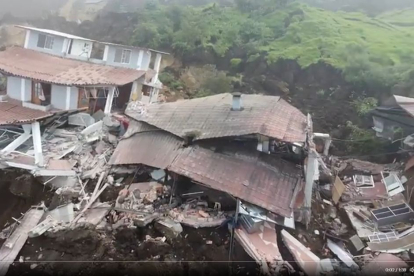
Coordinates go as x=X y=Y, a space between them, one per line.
x=212 y=117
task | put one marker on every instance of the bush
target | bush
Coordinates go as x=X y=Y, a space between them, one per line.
x=235 y=63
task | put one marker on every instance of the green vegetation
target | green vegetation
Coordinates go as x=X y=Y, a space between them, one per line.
x=375 y=53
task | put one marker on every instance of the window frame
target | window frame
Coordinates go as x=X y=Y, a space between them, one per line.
x=48 y=42
x=123 y=57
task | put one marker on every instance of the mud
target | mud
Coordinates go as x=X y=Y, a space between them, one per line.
x=126 y=252
x=31 y=191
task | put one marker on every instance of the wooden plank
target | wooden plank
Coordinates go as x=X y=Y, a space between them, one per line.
x=337 y=190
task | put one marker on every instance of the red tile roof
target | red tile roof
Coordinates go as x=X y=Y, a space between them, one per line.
x=43 y=67
x=212 y=117
x=12 y=112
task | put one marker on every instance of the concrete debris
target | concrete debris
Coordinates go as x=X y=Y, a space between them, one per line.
x=63 y=214
x=81 y=119
x=306 y=259
x=341 y=253
x=357 y=243
x=381 y=265
x=169 y=228
x=196 y=214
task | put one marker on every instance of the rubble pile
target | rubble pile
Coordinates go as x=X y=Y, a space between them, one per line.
x=195 y=213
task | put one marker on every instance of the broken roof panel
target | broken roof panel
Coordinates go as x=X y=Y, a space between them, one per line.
x=12 y=112
x=25 y=63
x=212 y=117
x=257 y=178
x=405 y=103
x=157 y=149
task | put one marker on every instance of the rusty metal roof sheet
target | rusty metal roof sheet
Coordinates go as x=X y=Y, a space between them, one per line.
x=260 y=179
x=12 y=112
x=155 y=148
x=43 y=67
x=212 y=117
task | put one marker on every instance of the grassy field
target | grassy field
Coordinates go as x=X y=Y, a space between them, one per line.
x=315 y=34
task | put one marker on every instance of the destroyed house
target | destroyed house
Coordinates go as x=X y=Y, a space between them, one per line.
x=230 y=143
x=395 y=119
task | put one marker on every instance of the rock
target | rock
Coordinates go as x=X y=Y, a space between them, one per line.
x=332 y=212
x=316 y=232
x=40 y=256
x=33 y=266
x=110 y=179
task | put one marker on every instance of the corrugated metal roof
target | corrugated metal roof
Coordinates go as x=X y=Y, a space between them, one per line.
x=52 y=32
x=233 y=167
x=156 y=148
x=260 y=179
x=212 y=117
x=405 y=103
x=39 y=66
x=12 y=112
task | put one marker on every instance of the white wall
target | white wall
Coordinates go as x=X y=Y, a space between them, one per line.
x=19 y=89
x=78 y=48
x=64 y=97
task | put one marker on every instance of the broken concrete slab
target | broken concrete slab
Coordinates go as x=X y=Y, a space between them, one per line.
x=381 y=265
x=306 y=259
x=168 y=228
x=341 y=253
x=357 y=243
x=95 y=214
x=63 y=214
x=363 y=228
x=81 y=119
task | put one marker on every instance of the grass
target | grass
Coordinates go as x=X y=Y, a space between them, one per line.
x=319 y=35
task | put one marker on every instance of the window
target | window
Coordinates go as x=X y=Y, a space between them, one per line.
x=45 y=41
x=364 y=181
x=393 y=184
x=122 y=56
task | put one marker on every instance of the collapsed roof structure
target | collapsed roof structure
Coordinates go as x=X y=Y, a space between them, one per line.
x=214 y=141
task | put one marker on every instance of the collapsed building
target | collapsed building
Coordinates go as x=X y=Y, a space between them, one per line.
x=250 y=147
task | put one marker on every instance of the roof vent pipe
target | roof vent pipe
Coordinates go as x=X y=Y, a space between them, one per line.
x=237 y=102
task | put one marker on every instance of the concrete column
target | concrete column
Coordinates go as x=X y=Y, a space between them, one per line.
x=23 y=90
x=67 y=100
x=140 y=57
x=19 y=141
x=26 y=41
x=65 y=46
x=311 y=166
x=37 y=143
x=157 y=65
x=105 y=56
x=109 y=100
x=134 y=94
x=153 y=95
